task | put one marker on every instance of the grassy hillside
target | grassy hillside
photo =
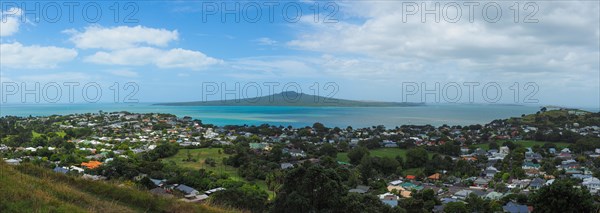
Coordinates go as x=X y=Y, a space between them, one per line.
x=200 y=155
x=28 y=188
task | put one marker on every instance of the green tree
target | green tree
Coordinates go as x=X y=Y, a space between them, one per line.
x=356 y=154
x=310 y=188
x=248 y=197
x=456 y=207
x=328 y=150
x=416 y=157
x=561 y=196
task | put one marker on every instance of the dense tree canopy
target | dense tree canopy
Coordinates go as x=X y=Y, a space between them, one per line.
x=561 y=196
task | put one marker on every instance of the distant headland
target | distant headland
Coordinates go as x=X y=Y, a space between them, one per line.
x=291 y=98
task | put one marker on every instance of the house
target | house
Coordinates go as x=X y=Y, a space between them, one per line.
x=447 y=200
x=396 y=182
x=481 y=182
x=462 y=194
x=490 y=172
x=188 y=191
x=158 y=183
x=504 y=150
x=493 y=196
x=297 y=153
x=536 y=183
x=531 y=156
x=60 y=170
x=592 y=183
x=13 y=162
x=92 y=164
x=569 y=164
x=286 y=165
x=389 y=199
x=197 y=198
x=209 y=192
x=258 y=146
x=78 y=169
x=360 y=189
x=530 y=165
x=435 y=176
x=515 y=208
x=399 y=190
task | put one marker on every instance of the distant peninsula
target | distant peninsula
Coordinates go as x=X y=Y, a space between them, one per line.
x=293 y=99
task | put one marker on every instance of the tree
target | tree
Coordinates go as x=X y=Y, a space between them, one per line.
x=274 y=181
x=493 y=145
x=416 y=158
x=354 y=202
x=328 y=150
x=248 y=197
x=319 y=127
x=456 y=207
x=356 y=154
x=310 y=188
x=561 y=196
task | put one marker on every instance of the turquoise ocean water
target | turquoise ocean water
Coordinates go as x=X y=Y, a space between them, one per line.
x=436 y=114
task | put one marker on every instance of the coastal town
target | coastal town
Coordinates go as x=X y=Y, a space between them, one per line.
x=503 y=166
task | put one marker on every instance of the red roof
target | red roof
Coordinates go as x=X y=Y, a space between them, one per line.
x=410 y=177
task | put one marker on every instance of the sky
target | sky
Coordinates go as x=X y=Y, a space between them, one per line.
x=544 y=52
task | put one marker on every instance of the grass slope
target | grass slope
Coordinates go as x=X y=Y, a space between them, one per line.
x=200 y=155
x=28 y=188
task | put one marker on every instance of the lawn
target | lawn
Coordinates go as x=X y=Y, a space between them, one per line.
x=35 y=134
x=387 y=152
x=215 y=153
x=200 y=155
x=527 y=143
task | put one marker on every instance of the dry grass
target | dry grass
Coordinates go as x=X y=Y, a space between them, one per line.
x=28 y=188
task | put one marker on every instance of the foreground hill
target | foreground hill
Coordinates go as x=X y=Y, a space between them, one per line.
x=293 y=99
x=28 y=188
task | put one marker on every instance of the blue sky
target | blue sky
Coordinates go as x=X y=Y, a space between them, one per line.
x=370 y=50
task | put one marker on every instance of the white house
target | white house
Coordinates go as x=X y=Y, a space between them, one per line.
x=592 y=183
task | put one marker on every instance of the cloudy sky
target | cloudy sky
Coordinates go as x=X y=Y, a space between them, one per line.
x=544 y=52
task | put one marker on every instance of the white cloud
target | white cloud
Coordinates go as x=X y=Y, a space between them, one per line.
x=123 y=73
x=563 y=28
x=174 y=58
x=181 y=58
x=56 y=77
x=16 y=55
x=9 y=25
x=266 y=41
x=558 y=53
x=121 y=37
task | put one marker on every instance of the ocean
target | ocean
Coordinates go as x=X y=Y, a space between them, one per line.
x=434 y=114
